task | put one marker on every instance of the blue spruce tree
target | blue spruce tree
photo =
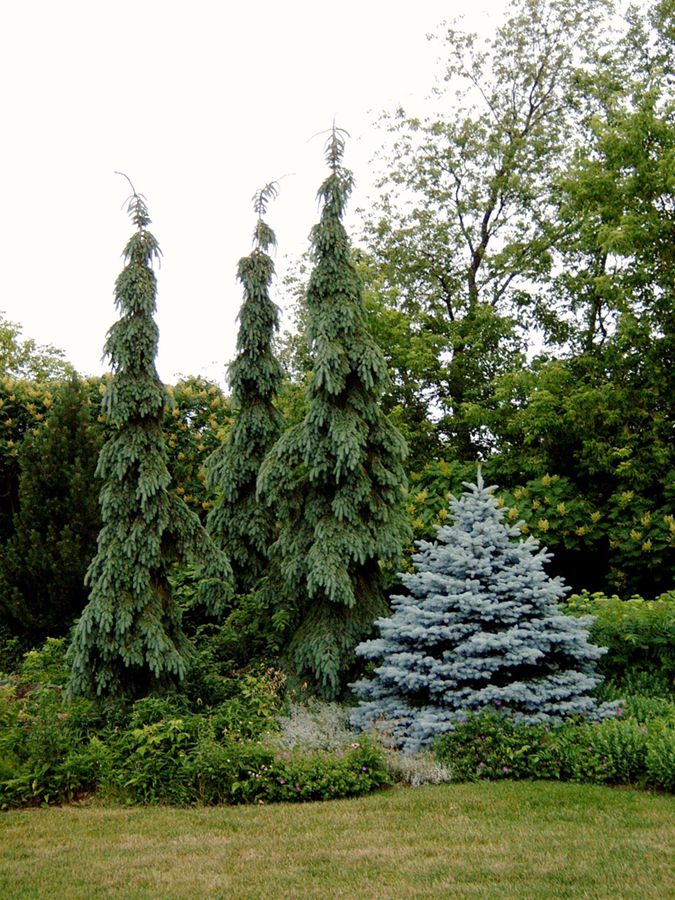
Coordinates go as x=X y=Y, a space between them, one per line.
x=479 y=628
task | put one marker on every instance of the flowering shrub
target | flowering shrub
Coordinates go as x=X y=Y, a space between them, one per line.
x=495 y=747
x=167 y=762
x=318 y=775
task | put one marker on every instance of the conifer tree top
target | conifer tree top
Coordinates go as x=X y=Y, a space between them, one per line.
x=337 y=188
x=142 y=247
x=263 y=236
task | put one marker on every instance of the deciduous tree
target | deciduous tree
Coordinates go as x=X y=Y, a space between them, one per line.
x=465 y=222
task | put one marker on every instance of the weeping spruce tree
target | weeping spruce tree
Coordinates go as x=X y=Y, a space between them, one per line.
x=129 y=640
x=334 y=480
x=238 y=522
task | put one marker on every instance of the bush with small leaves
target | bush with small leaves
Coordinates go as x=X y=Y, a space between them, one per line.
x=661 y=756
x=614 y=751
x=622 y=745
x=639 y=636
x=495 y=746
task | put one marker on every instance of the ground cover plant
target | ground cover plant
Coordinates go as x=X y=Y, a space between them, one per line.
x=522 y=840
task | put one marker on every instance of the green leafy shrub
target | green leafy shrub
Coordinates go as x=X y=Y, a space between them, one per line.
x=161 y=750
x=495 y=747
x=614 y=751
x=639 y=635
x=645 y=709
x=661 y=756
x=171 y=762
x=45 y=746
x=47 y=664
x=320 y=775
x=622 y=746
x=12 y=649
x=149 y=761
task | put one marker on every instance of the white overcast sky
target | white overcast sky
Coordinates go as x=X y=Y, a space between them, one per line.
x=200 y=103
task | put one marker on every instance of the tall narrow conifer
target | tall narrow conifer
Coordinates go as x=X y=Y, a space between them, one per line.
x=244 y=527
x=129 y=639
x=335 y=479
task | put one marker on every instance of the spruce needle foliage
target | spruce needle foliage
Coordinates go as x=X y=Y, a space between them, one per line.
x=479 y=628
x=238 y=522
x=129 y=640
x=335 y=479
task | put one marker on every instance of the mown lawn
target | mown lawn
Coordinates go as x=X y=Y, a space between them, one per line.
x=524 y=840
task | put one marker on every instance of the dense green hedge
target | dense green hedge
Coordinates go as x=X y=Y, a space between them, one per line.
x=635 y=748
x=639 y=635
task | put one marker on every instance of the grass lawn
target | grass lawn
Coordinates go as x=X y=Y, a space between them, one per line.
x=523 y=840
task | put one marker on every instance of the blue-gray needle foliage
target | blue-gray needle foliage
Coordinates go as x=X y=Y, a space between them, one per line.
x=479 y=627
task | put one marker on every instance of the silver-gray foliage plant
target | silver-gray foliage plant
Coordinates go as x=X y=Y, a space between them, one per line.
x=480 y=628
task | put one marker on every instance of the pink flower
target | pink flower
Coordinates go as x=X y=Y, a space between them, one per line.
x=505 y=769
